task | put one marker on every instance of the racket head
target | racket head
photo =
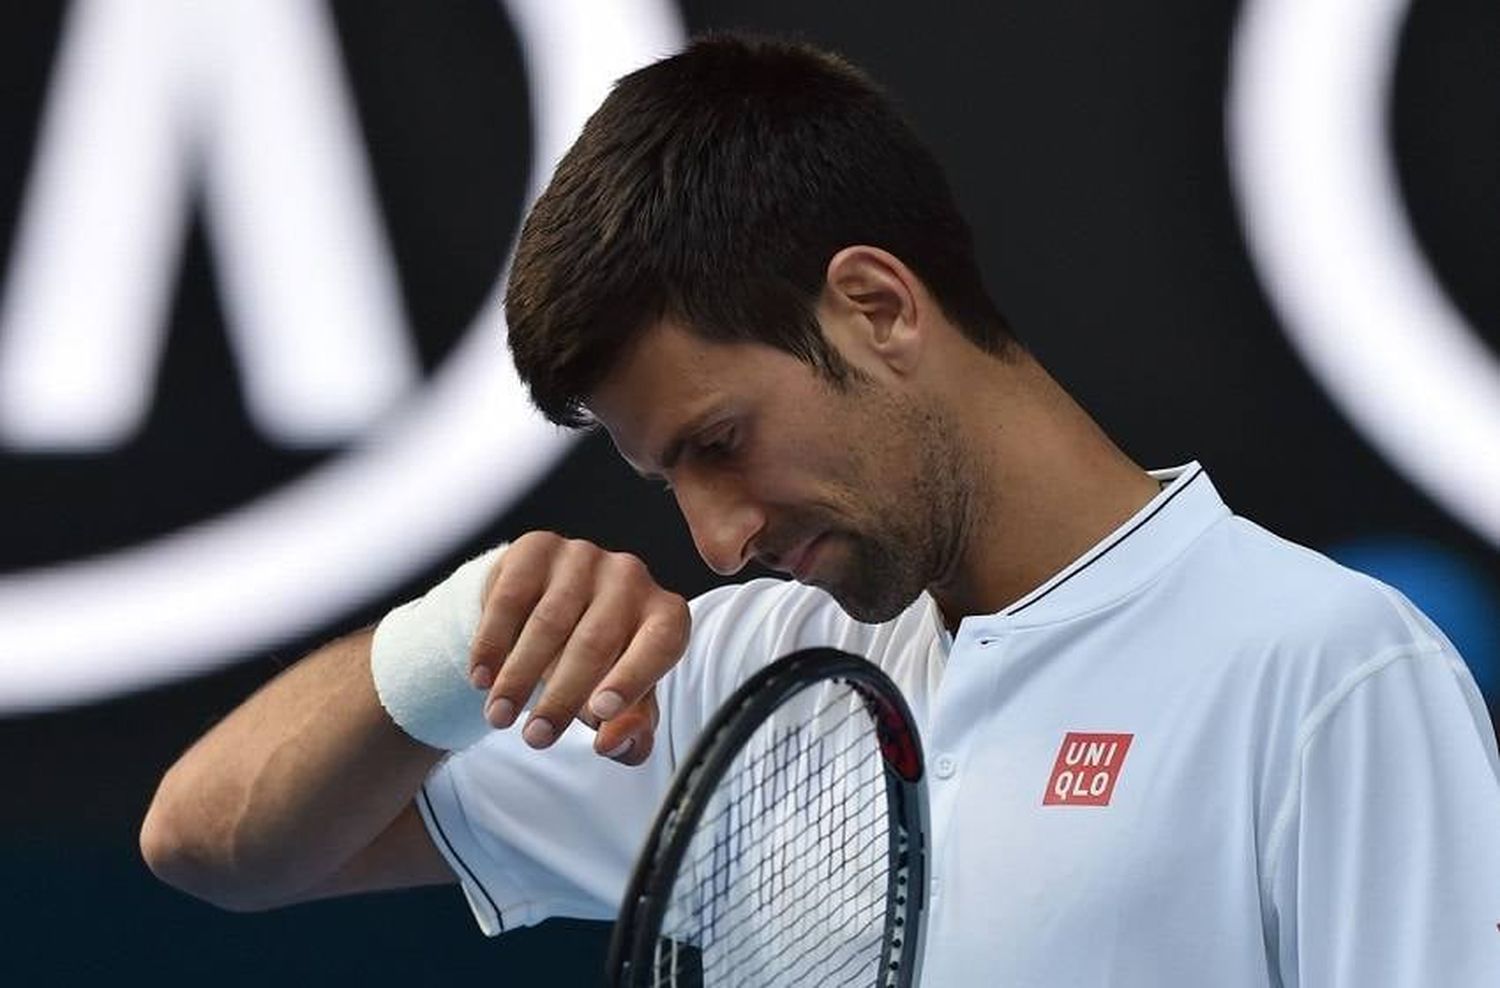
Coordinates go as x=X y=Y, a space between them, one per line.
x=638 y=933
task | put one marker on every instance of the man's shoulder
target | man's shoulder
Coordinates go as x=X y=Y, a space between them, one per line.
x=1304 y=589
x=1275 y=637
x=1289 y=604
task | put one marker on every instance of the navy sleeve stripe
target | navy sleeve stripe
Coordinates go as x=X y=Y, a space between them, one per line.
x=453 y=852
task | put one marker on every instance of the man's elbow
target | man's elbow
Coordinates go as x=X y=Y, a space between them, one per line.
x=189 y=861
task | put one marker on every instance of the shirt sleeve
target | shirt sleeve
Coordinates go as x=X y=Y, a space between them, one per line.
x=1389 y=874
x=534 y=834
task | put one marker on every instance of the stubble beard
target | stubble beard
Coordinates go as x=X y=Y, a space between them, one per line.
x=913 y=541
x=879 y=583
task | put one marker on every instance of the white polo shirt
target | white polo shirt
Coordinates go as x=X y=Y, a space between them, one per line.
x=1200 y=755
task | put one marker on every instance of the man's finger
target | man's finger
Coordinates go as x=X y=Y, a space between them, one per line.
x=655 y=648
x=542 y=638
x=630 y=737
x=513 y=590
x=596 y=642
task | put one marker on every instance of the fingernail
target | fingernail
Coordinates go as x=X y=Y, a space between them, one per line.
x=500 y=712
x=621 y=748
x=539 y=732
x=481 y=677
x=606 y=704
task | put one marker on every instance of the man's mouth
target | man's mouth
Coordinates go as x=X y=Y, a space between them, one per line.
x=800 y=561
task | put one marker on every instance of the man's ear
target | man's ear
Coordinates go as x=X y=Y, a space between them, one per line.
x=874 y=307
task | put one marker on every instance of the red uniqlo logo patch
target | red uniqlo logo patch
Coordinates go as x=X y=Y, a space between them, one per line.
x=1086 y=769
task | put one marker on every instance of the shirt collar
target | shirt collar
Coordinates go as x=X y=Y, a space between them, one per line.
x=1127 y=558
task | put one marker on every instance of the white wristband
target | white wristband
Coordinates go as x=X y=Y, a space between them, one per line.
x=420 y=660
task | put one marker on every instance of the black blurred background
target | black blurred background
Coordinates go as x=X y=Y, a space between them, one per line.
x=1085 y=141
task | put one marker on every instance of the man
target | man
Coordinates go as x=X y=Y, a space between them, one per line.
x=753 y=276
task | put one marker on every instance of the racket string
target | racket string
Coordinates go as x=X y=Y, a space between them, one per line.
x=755 y=939
x=755 y=761
x=791 y=957
x=733 y=847
x=786 y=877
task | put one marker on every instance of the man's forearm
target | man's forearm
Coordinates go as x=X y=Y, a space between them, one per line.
x=287 y=788
x=299 y=793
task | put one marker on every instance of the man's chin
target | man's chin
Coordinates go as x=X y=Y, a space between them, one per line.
x=867 y=608
x=843 y=573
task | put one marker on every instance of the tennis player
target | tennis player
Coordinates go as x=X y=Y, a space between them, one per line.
x=1165 y=747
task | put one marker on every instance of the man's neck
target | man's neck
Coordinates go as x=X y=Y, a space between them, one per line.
x=1050 y=485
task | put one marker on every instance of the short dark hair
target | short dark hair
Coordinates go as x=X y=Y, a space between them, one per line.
x=713 y=187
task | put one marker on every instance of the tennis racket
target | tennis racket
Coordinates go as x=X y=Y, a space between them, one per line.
x=791 y=848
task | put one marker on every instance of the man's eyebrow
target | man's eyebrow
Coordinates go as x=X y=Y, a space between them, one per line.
x=673 y=451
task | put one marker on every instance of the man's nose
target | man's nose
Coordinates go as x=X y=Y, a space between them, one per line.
x=724 y=523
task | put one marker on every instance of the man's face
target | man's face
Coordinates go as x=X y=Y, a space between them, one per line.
x=855 y=489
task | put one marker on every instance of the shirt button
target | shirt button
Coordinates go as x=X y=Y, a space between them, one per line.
x=945 y=766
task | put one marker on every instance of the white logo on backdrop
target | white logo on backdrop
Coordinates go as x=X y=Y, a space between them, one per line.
x=251 y=91
x=1321 y=204
x=244 y=100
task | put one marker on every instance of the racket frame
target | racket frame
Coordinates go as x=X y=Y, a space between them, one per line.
x=644 y=906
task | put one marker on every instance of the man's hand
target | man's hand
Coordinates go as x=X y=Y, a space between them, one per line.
x=594 y=625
